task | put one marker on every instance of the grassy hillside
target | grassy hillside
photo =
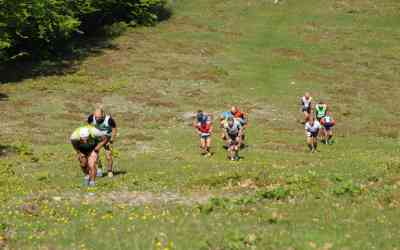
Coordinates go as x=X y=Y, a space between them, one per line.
x=209 y=55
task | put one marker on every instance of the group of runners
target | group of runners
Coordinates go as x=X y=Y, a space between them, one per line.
x=318 y=122
x=101 y=130
x=232 y=124
x=88 y=140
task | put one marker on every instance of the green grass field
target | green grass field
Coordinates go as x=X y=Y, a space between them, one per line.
x=211 y=54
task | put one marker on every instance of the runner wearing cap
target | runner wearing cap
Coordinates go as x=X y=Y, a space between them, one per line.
x=204 y=130
x=87 y=141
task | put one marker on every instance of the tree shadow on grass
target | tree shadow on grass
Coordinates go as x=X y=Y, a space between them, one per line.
x=66 y=61
x=3 y=97
x=6 y=149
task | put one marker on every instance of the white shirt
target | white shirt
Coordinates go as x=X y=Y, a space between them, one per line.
x=306 y=102
x=312 y=128
x=234 y=129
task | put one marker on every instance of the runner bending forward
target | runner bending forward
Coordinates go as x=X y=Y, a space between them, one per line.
x=87 y=142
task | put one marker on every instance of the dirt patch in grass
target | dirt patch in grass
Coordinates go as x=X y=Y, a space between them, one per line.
x=312 y=38
x=232 y=35
x=283 y=146
x=364 y=8
x=208 y=75
x=135 y=198
x=185 y=23
x=30 y=209
x=266 y=112
x=143 y=148
x=130 y=198
x=160 y=103
x=139 y=137
x=69 y=117
x=197 y=92
x=139 y=99
x=348 y=88
x=3 y=242
x=387 y=129
x=115 y=104
x=311 y=76
x=187 y=118
x=21 y=104
x=327 y=62
x=72 y=107
x=289 y=53
x=33 y=124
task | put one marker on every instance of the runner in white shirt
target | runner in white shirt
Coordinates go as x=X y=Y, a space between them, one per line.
x=306 y=103
x=233 y=133
x=312 y=128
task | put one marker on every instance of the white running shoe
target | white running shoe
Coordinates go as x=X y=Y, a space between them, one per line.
x=99 y=172
x=86 y=180
x=110 y=174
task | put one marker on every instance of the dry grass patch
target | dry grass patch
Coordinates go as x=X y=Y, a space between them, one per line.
x=289 y=53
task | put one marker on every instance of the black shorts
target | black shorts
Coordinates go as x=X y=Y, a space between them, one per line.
x=328 y=127
x=305 y=109
x=86 y=153
x=86 y=150
x=313 y=135
x=234 y=139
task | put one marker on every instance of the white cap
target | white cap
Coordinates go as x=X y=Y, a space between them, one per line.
x=84 y=133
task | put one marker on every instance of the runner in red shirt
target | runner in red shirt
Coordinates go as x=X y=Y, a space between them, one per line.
x=204 y=130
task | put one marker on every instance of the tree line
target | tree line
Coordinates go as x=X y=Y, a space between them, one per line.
x=39 y=28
